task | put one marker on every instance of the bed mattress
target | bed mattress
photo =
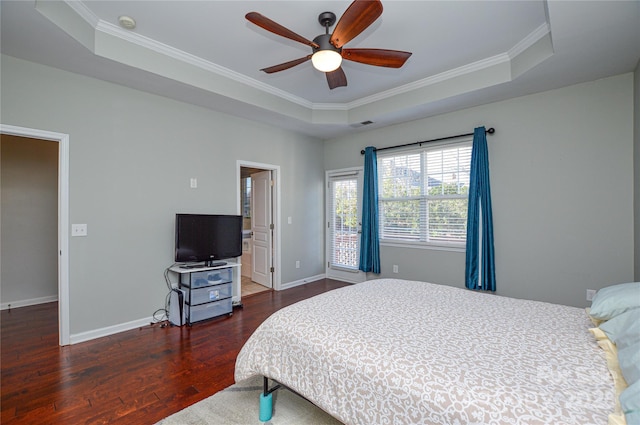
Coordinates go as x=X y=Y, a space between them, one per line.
x=392 y=351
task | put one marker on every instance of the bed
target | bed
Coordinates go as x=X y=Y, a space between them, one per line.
x=392 y=351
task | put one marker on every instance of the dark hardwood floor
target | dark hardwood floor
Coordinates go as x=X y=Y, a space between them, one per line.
x=134 y=377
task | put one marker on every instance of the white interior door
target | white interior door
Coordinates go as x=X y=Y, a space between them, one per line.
x=344 y=220
x=262 y=229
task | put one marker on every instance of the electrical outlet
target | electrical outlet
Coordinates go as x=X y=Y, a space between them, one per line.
x=193 y=183
x=78 y=230
x=590 y=294
x=395 y=268
x=297 y=264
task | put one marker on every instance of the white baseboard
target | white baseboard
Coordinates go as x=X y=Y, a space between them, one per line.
x=302 y=281
x=109 y=330
x=26 y=303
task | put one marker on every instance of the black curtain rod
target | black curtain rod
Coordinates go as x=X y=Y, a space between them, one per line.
x=490 y=131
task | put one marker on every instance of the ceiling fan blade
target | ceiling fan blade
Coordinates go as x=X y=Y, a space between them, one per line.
x=377 y=57
x=286 y=65
x=358 y=16
x=336 y=78
x=274 y=27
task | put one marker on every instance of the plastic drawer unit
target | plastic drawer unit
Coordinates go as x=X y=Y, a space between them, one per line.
x=207 y=294
x=206 y=278
x=201 y=312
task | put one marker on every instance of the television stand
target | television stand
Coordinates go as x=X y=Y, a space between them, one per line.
x=210 y=291
x=214 y=263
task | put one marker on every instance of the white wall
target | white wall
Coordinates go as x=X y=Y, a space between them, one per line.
x=132 y=155
x=562 y=190
x=29 y=223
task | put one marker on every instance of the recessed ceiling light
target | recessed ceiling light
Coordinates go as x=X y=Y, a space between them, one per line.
x=127 y=22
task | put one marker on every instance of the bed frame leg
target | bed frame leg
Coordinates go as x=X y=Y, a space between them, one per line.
x=266 y=401
x=266 y=407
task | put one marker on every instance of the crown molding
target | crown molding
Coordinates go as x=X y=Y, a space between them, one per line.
x=106 y=28
x=531 y=39
x=84 y=12
x=140 y=40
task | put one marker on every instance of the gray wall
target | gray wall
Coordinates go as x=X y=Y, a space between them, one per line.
x=29 y=221
x=131 y=157
x=562 y=190
x=636 y=169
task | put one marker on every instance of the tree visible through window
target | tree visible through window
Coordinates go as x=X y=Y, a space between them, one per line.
x=423 y=195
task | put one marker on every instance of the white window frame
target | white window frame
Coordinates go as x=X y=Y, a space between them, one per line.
x=424 y=243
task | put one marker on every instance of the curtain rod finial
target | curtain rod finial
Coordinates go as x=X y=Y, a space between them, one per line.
x=491 y=130
x=363 y=151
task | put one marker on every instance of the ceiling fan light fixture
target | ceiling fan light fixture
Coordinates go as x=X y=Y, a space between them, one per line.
x=326 y=60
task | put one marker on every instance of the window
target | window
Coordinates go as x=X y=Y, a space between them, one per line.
x=423 y=194
x=246 y=197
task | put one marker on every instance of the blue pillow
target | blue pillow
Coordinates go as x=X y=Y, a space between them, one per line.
x=614 y=300
x=630 y=403
x=629 y=360
x=624 y=329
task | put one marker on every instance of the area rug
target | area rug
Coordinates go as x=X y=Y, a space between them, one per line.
x=239 y=404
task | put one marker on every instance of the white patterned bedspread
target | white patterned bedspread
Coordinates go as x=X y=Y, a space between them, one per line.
x=399 y=352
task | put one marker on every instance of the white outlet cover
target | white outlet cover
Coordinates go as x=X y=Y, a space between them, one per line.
x=78 y=230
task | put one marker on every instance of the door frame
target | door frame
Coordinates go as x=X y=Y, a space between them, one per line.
x=355 y=276
x=275 y=204
x=63 y=218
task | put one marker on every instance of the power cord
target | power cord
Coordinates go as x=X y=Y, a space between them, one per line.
x=161 y=315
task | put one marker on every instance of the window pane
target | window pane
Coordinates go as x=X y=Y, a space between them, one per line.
x=400 y=220
x=448 y=219
x=448 y=171
x=399 y=176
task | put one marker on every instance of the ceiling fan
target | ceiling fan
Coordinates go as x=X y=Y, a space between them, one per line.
x=328 y=50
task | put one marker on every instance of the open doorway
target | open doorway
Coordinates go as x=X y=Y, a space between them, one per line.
x=258 y=205
x=62 y=217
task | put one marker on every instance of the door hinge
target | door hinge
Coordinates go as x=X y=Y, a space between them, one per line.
x=271 y=226
x=271 y=183
x=328 y=224
x=273 y=270
x=329 y=264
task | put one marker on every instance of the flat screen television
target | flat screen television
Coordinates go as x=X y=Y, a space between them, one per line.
x=208 y=237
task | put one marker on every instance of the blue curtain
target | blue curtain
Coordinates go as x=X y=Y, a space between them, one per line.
x=479 y=264
x=369 y=241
